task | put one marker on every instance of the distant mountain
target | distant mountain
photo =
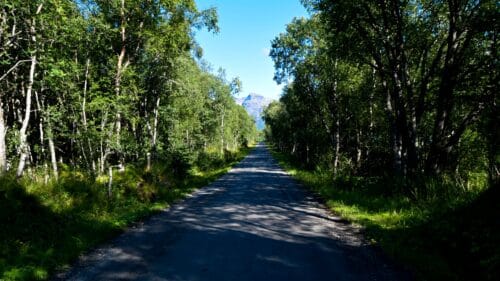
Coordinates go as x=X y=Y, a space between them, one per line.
x=255 y=104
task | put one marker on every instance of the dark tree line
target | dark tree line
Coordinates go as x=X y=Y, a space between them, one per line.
x=386 y=87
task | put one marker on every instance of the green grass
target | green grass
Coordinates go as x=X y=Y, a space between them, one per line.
x=445 y=235
x=44 y=227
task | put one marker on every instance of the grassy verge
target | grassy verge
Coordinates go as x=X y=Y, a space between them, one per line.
x=46 y=226
x=439 y=238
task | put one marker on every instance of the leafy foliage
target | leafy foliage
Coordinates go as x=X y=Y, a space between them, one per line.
x=404 y=88
x=390 y=112
x=112 y=82
x=47 y=226
x=450 y=237
x=94 y=88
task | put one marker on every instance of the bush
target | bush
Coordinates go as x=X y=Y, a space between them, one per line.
x=230 y=156
x=209 y=160
x=181 y=162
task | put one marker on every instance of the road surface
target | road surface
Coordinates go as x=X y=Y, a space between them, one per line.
x=254 y=223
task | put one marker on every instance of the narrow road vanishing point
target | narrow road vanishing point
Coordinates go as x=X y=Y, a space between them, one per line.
x=254 y=223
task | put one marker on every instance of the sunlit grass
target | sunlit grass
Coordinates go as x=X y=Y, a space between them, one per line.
x=449 y=234
x=44 y=227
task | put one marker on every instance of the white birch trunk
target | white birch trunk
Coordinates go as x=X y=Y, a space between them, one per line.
x=155 y=124
x=53 y=159
x=222 y=133
x=3 y=148
x=23 y=138
x=23 y=142
x=120 y=67
x=84 y=115
x=336 y=160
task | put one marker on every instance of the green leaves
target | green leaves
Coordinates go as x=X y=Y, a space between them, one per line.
x=115 y=80
x=400 y=81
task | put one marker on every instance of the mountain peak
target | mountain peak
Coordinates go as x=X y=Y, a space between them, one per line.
x=254 y=105
x=254 y=96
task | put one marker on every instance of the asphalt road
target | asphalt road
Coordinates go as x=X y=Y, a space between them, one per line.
x=254 y=223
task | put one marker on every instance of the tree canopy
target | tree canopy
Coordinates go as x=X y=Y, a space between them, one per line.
x=404 y=88
x=92 y=84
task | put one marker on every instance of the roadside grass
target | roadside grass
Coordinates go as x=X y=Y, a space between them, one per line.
x=44 y=227
x=440 y=236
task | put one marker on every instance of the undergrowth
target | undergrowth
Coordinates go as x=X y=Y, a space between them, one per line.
x=449 y=232
x=46 y=226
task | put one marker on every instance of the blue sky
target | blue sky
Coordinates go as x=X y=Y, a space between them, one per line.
x=242 y=45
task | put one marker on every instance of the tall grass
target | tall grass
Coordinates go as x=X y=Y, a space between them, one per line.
x=45 y=226
x=441 y=229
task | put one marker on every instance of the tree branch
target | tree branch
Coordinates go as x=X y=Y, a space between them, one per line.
x=12 y=68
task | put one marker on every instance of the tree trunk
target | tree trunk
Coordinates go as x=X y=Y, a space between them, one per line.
x=441 y=144
x=84 y=116
x=103 y=148
x=336 y=160
x=23 y=138
x=148 y=159
x=23 y=141
x=155 y=125
x=110 y=182
x=222 y=133
x=42 y=116
x=493 y=126
x=359 y=148
x=437 y=152
x=3 y=148
x=3 y=124
x=53 y=159
x=119 y=71
x=394 y=137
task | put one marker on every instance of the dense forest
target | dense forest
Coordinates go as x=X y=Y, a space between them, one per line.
x=395 y=99
x=95 y=84
x=406 y=88
x=106 y=108
x=109 y=113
